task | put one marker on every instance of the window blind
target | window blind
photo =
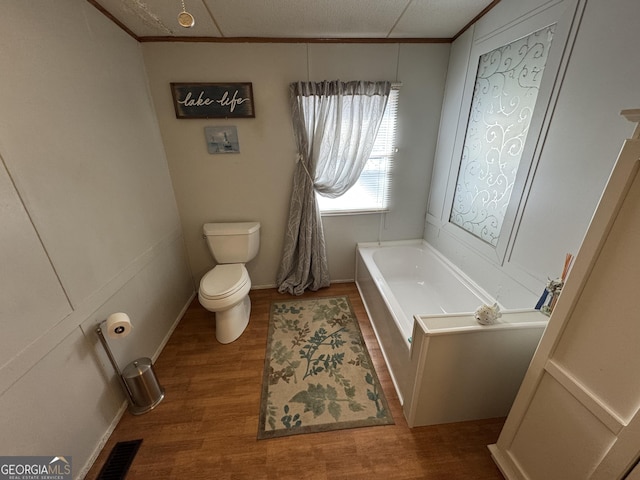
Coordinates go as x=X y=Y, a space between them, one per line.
x=372 y=191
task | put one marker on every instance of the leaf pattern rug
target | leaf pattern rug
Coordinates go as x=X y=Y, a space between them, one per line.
x=318 y=374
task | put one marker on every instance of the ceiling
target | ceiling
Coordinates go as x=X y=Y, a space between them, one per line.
x=287 y=20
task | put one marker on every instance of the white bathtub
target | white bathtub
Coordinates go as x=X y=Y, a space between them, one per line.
x=444 y=365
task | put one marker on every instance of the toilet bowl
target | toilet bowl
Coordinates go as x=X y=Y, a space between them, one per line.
x=224 y=290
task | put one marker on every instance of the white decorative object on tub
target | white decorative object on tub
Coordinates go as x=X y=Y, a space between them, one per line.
x=488 y=315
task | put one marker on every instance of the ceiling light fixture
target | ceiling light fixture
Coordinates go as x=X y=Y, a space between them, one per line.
x=185 y=19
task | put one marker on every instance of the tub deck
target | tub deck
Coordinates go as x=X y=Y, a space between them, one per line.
x=444 y=365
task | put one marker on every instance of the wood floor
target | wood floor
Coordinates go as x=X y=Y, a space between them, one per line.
x=206 y=426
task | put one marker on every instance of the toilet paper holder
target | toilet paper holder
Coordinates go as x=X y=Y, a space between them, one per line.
x=138 y=379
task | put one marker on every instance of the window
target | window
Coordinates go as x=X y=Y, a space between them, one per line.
x=507 y=85
x=371 y=193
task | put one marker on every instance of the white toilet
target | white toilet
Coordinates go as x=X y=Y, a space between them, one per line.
x=224 y=290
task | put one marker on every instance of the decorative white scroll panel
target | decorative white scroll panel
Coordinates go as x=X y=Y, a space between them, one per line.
x=505 y=93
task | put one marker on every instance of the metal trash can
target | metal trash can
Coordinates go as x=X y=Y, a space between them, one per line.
x=145 y=393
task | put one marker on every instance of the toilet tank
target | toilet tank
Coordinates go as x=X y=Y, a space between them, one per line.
x=233 y=242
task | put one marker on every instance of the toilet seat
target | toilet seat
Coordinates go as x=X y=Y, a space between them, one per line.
x=223 y=281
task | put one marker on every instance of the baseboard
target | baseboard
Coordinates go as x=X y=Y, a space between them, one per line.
x=103 y=441
x=504 y=464
x=173 y=327
x=273 y=285
x=263 y=287
x=125 y=404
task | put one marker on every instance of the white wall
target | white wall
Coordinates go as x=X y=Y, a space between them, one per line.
x=585 y=133
x=256 y=183
x=89 y=224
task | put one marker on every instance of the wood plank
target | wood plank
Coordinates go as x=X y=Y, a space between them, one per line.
x=207 y=424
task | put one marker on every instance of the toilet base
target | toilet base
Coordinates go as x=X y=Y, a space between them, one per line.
x=231 y=323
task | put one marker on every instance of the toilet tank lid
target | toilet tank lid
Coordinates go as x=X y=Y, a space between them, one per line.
x=235 y=228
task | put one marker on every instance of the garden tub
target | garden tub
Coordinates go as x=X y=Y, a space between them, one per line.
x=445 y=366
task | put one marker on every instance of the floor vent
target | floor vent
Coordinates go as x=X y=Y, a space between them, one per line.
x=119 y=461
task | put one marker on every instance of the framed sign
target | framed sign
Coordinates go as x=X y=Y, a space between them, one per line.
x=213 y=100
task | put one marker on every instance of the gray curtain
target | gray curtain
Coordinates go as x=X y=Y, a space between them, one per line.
x=335 y=125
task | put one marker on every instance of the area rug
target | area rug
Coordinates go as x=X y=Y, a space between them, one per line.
x=318 y=375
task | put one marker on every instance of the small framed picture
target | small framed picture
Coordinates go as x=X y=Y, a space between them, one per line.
x=222 y=139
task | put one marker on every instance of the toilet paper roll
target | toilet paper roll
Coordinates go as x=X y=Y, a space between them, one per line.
x=118 y=325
